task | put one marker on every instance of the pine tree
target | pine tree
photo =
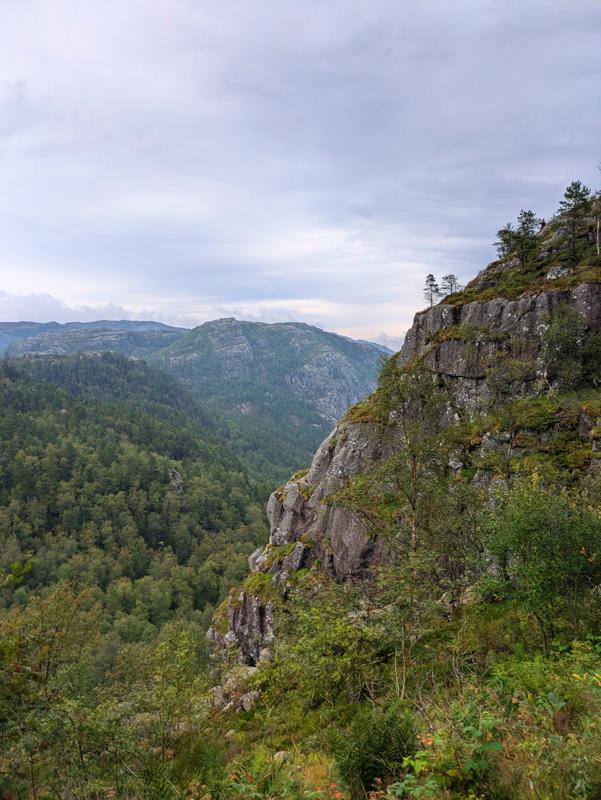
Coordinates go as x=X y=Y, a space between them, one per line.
x=521 y=240
x=526 y=239
x=574 y=207
x=450 y=285
x=431 y=289
x=505 y=243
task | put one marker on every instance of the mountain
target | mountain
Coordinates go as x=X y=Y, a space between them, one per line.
x=425 y=614
x=381 y=347
x=129 y=337
x=281 y=386
x=15 y=331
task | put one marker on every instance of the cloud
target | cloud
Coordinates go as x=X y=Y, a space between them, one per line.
x=312 y=159
x=42 y=307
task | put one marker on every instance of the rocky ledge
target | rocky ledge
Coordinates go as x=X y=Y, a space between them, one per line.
x=309 y=529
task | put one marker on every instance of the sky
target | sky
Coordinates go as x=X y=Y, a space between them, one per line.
x=280 y=160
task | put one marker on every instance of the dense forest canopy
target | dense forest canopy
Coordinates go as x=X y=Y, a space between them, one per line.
x=118 y=484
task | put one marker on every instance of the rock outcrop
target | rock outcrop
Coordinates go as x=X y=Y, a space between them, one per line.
x=460 y=344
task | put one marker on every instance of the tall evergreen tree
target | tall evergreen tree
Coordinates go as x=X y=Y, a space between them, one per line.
x=431 y=289
x=574 y=207
x=450 y=284
x=521 y=240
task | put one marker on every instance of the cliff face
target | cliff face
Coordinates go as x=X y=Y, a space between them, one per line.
x=480 y=355
x=496 y=320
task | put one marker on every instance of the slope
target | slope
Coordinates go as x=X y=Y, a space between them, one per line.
x=281 y=386
x=425 y=619
x=127 y=337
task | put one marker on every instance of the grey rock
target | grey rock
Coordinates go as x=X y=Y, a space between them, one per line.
x=339 y=540
x=249 y=700
x=250 y=622
x=253 y=560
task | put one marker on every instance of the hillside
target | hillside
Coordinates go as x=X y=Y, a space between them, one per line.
x=425 y=619
x=281 y=386
x=127 y=337
x=119 y=502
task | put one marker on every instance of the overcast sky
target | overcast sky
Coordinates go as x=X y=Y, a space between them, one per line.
x=279 y=159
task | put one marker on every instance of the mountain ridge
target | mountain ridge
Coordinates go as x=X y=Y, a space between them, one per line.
x=289 y=377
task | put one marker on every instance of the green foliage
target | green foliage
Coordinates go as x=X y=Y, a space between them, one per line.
x=124 y=519
x=431 y=289
x=375 y=744
x=562 y=347
x=548 y=552
x=131 y=498
x=574 y=208
x=521 y=240
x=465 y=665
x=562 y=255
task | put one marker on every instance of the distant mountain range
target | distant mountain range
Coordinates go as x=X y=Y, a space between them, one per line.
x=279 y=387
x=129 y=337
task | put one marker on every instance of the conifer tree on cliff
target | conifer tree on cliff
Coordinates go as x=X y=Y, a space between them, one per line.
x=450 y=284
x=431 y=289
x=574 y=207
x=521 y=240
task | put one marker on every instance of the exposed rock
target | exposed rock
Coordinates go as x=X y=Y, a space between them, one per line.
x=525 y=318
x=253 y=560
x=250 y=620
x=265 y=655
x=249 y=700
x=557 y=272
x=176 y=480
x=228 y=695
x=460 y=344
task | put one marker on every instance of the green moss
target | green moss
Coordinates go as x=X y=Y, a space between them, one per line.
x=219 y=622
x=260 y=584
x=515 y=282
x=277 y=554
x=469 y=333
x=306 y=490
x=298 y=475
x=363 y=411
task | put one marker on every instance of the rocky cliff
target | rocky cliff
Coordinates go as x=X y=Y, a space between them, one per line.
x=485 y=376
